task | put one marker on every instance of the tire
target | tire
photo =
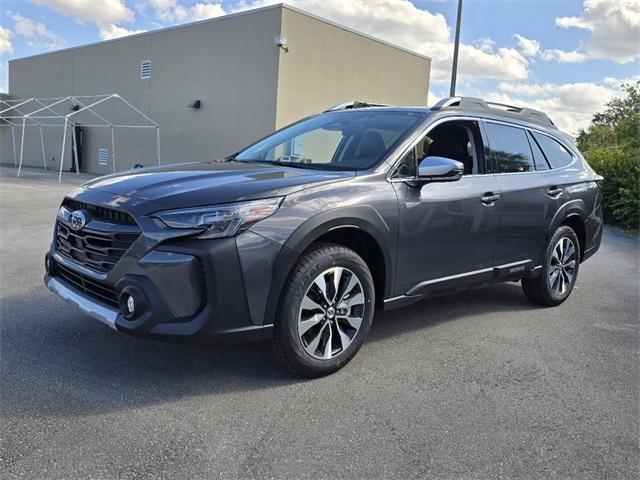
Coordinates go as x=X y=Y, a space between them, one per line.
x=558 y=278
x=311 y=337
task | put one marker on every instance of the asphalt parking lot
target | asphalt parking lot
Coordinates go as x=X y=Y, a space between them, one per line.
x=476 y=385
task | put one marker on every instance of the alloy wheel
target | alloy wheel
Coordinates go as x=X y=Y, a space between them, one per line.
x=331 y=313
x=562 y=265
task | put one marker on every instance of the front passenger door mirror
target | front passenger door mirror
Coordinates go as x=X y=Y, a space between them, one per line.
x=440 y=169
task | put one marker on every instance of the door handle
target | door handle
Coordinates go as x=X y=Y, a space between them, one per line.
x=554 y=192
x=490 y=198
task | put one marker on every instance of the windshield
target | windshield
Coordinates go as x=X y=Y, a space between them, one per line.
x=353 y=140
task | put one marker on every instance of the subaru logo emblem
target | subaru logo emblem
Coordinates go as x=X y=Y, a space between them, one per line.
x=77 y=220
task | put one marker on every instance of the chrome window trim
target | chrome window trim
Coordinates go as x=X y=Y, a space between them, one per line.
x=416 y=139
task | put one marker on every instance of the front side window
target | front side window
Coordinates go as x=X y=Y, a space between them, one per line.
x=555 y=152
x=347 y=140
x=457 y=140
x=510 y=148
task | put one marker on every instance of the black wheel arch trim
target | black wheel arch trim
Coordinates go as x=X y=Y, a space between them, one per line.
x=573 y=208
x=363 y=217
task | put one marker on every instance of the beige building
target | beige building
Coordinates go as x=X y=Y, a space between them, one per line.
x=253 y=72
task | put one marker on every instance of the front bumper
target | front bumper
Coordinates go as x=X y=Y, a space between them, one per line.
x=88 y=305
x=219 y=308
x=189 y=288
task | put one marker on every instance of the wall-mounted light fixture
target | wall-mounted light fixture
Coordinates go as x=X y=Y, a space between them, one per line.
x=281 y=41
x=195 y=104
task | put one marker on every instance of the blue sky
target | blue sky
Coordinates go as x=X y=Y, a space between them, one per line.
x=567 y=57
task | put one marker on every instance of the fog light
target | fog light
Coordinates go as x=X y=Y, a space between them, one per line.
x=131 y=305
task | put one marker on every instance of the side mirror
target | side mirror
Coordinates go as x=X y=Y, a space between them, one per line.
x=440 y=169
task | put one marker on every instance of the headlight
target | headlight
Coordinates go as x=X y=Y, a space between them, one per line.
x=220 y=221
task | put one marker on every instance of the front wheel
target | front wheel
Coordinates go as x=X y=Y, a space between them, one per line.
x=325 y=311
x=559 y=272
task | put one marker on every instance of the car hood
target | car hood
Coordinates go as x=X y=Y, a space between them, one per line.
x=210 y=183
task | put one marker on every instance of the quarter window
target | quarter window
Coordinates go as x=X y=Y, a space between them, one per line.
x=509 y=148
x=555 y=152
x=538 y=156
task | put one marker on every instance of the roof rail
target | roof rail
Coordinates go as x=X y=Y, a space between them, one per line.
x=472 y=103
x=354 y=104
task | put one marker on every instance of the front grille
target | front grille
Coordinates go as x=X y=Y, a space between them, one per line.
x=94 y=288
x=94 y=249
x=101 y=213
x=102 y=242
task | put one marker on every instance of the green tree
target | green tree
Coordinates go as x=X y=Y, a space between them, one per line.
x=611 y=145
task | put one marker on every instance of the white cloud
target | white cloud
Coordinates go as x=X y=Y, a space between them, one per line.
x=485 y=44
x=106 y=14
x=614 y=27
x=563 y=56
x=5 y=40
x=527 y=46
x=108 y=31
x=401 y=22
x=174 y=11
x=504 y=63
x=37 y=33
x=97 y=11
x=570 y=105
x=617 y=82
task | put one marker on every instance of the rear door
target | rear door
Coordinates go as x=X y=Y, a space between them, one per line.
x=529 y=196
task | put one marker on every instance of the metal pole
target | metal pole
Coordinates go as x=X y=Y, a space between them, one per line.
x=44 y=158
x=113 y=150
x=158 y=143
x=13 y=140
x=24 y=122
x=454 y=68
x=64 y=140
x=75 y=149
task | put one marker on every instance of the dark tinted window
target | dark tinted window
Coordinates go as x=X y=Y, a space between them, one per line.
x=455 y=140
x=555 y=152
x=509 y=148
x=538 y=156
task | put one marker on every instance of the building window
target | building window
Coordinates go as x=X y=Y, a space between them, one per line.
x=145 y=69
x=103 y=156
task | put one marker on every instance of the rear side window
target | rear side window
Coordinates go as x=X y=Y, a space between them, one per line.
x=538 y=156
x=509 y=148
x=557 y=155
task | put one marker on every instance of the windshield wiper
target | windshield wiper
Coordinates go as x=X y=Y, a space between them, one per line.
x=293 y=164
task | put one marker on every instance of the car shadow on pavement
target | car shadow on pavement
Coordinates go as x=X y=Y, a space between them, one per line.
x=56 y=361
x=500 y=298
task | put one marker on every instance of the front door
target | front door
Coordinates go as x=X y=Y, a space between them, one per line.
x=447 y=230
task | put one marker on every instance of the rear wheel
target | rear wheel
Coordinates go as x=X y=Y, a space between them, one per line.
x=559 y=272
x=325 y=311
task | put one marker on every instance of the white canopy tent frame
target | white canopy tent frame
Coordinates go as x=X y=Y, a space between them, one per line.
x=8 y=123
x=42 y=118
x=20 y=103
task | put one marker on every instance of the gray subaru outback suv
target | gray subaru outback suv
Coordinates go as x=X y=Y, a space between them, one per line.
x=298 y=238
